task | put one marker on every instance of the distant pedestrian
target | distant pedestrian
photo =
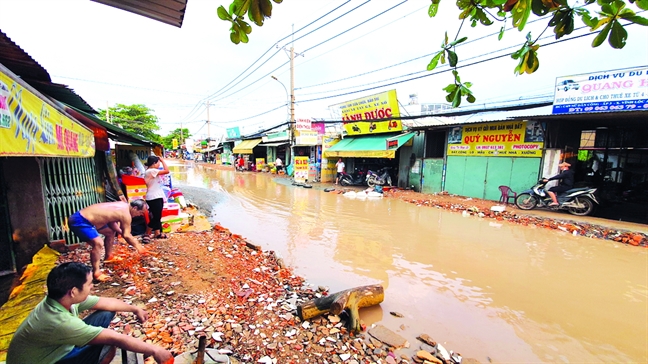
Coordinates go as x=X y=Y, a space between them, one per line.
x=340 y=170
x=278 y=164
x=155 y=195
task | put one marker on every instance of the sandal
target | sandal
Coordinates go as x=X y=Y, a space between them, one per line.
x=161 y=236
x=146 y=239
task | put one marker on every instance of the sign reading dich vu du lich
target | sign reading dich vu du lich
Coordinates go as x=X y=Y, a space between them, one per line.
x=619 y=90
x=501 y=139
x=29 y=126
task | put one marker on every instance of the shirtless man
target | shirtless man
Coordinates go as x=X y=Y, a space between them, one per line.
x=107 y=219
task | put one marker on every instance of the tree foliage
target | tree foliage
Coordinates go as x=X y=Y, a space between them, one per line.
x=137 y=119
x=167 y=141
x=607 y=17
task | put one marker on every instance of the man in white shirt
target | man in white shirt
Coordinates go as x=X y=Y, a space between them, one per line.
x=340 y=170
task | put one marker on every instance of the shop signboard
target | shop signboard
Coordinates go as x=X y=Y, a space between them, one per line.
x=175 y=143
x=131 y=156
x=233 y=133
x=357 y=115
x=320 y=128
x=328 y=164
x=500 y=139
x=260 y=163
x=275 y=137
x=306 y=137
x=30 y=126
x=301 y=169
x=302 y=124
x=618 y=90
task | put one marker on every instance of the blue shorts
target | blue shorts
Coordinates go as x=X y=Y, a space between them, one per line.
x=83 y=228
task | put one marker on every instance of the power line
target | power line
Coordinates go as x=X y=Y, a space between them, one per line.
x=317 y=45
x=217 y=93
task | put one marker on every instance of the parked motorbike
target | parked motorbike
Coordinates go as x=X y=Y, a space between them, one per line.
x=578 y=201
x=379 y=178
x=352 y=180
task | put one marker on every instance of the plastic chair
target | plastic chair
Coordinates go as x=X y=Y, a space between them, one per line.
x=507 y=194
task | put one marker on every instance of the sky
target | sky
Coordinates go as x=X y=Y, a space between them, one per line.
x=345 y=49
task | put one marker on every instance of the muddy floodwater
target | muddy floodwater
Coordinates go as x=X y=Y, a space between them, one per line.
x=484 y=289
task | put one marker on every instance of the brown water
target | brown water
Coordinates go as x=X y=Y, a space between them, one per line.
x=484 y=289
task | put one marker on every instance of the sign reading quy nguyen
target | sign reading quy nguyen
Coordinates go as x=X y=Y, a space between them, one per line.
x=29 y=126
x=618 y=90
x=504 y=139
x=379 y=106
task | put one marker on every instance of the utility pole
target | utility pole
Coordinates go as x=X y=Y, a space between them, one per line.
x=208 y=126
x=292 y=102
x=181 y=136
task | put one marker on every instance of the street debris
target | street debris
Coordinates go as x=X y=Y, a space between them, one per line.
x=240 y=300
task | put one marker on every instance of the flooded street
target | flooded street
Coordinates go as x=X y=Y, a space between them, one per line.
x=484 y=289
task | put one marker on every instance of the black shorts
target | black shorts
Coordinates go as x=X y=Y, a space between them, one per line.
x=560 y=189
x=339 y=175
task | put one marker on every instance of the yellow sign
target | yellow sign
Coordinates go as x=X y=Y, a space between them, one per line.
x=29 y=126
x=505 y=139
x=260 y=163
x=175 y=143
x=301 y=169
x=358 y=114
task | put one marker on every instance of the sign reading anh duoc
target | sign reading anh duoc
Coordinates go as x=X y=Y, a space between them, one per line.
x=618 y=90
x=358 y=114
x=29 y=126
x=301 y=169
x=503 y=139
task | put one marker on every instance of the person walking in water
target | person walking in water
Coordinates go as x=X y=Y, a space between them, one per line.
x=155 y=194
x=340 y=170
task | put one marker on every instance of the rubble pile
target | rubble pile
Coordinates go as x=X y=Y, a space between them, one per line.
x=215 y=284
x=485 y=210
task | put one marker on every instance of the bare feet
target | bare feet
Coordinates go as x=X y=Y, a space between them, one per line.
x=100 y=278
x=113 y=259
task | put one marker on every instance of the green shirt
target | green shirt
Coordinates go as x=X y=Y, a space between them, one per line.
x=50 y=332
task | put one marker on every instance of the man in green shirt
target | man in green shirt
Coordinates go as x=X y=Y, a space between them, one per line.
x=53 y=332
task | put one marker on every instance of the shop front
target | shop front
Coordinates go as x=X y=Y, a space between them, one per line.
x=277 y=146
x=47 y=160
x=250 y=151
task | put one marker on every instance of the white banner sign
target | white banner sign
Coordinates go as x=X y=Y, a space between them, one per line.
x=618 y=90
x=303 y=124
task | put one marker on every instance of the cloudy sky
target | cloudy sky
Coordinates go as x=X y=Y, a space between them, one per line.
x=360 y=48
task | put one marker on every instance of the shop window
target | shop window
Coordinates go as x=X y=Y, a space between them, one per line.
x=588 y=138
x=435 y=144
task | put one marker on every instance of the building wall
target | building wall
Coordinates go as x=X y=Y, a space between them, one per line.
x=26 y=206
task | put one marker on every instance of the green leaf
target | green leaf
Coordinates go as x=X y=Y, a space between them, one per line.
x=642 y=4
x=435 y=60
x=455 y=42
x=433 y=9
x=539 y=8
x=452 y=58
x=223 y=14
x=244 y=37
x=456 y=100
x=450 y=88
x=234 y=37
x=277 y=1
x=471 y=98
x=598 y=40
x=501 y=33
x=636 y=19
x=521 y=12
x=618 y=35
x=247 y=29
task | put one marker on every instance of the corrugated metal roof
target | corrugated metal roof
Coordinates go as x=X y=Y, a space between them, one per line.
x=166 y=11
x=482 y=117
x=22 y=64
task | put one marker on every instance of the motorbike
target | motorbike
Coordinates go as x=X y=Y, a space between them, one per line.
x=578 y=201
x=352 y=180
x=379 y=178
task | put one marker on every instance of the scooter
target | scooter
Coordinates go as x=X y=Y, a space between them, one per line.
x=380 y=178
x=578 y=201
x=348 y=180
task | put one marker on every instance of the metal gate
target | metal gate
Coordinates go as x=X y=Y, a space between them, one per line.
x=7 y=258
x=69 y=184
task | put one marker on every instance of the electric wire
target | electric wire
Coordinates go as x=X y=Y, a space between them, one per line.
x=218 y=93
x=329 y=39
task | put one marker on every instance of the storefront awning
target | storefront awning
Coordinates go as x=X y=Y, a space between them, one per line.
x=277 y=144
x=246 y=146
x=369 y=146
